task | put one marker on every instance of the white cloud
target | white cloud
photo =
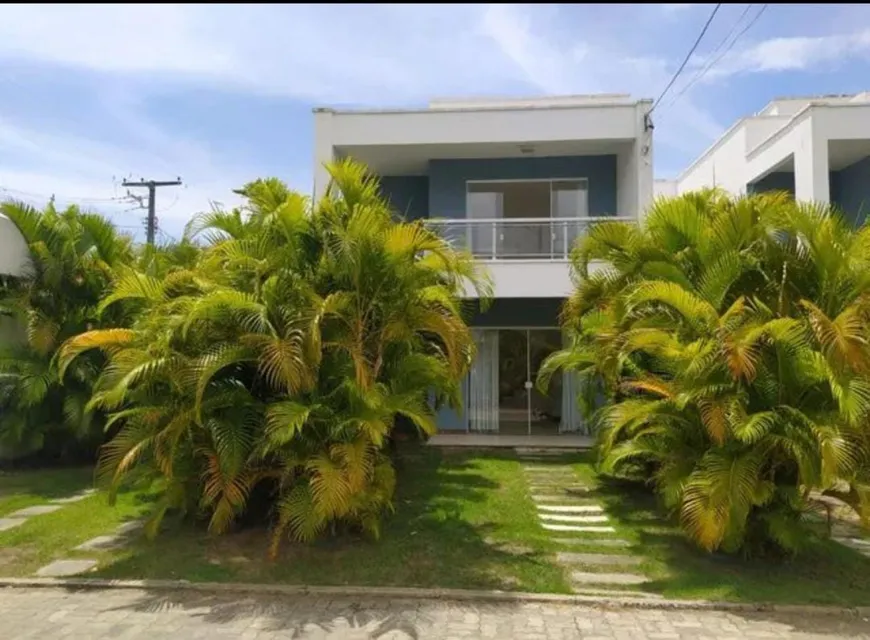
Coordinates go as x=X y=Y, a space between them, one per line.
x=793 y=54
x=81 y=171
x=375 y=54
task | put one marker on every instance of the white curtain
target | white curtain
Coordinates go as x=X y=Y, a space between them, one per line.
x=483 y=383
x=572 y=421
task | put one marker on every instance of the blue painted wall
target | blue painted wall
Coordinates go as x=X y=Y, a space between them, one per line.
x=447 y=179
x=409 y=195
x=850 y=190
x=776 y=181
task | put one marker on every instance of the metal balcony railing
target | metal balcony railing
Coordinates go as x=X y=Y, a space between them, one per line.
x=517 y=238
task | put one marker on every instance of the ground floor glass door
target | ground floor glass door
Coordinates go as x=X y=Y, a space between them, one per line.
x=501 y=394
x=522 y=408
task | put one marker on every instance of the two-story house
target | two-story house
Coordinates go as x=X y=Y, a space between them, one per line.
x=817 y=148
x=516 y=182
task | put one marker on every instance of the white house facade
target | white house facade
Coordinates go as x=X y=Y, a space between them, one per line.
x=816 y=148
x=516 y=182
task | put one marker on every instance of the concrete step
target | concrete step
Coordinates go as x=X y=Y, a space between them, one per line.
x=558 y=517
x=592 y=542
x=574 y=528
x=570 y=508
x=576 y=498
x=579 y=578
x=597 y=559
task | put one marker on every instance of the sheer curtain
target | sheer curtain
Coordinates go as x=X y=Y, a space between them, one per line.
x=572 y=421
x=483 y=383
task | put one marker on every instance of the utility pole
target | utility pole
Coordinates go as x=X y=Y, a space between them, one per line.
x=152 y=193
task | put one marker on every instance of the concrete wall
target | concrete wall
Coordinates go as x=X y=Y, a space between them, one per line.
x=409 y=195
x=722 y=166
x=14 y=253
x=850 y=190
x=664 y=188
x=447 y=179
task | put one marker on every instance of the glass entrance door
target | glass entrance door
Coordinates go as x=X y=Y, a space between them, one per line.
x=513 y=376
x=522 y=409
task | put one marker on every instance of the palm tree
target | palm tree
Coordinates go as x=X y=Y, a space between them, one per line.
x=283 y=356
x=72 y=257
x=729 y=337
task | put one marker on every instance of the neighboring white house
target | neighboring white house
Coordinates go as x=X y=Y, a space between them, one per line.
x=14 y=254
x=817 y=148
x=516 y=182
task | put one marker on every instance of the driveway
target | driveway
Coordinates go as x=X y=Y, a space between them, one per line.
x=120 y=614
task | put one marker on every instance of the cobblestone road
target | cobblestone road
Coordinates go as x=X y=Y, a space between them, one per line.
x=121 y=614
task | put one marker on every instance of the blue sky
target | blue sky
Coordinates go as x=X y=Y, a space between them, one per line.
x=223 y=94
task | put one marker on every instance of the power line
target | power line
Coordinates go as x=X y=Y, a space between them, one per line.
x=688 y=55
x=715 y=60
x=42 y=196
x=152 y=186
x=713 y=53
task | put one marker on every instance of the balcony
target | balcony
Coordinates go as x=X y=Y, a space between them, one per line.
x=526 y=257
x=532 y=239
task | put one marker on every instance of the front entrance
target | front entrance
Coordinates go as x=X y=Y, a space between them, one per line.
x=501 y=395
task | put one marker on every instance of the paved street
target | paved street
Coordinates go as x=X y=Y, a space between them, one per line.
x=121 y=614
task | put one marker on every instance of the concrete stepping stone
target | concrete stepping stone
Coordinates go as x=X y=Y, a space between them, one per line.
x=130 y=527
x=63 y=568
x=560 y=468
x=102 y=543
x=10 y=523
x=550 y=497
x=558 y=517
x=539 y=488
x=585 y=577
x=577 y=528
x=35 y=511
x=593 y=542
x=75 y=498
x=858 y=542
x=570 y=508
x=597 y=559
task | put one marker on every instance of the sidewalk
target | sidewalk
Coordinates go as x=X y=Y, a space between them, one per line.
x=121 y=614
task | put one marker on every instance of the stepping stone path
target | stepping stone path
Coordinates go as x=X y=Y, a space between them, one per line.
x=35 y=511
x=63 y=568
x=565 y=506
x=71 y=567
x=17 y=518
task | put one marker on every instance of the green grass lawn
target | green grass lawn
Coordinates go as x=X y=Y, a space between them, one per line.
x=463 y=519
x=19 y=489
x=44 y=538
x=825 y=573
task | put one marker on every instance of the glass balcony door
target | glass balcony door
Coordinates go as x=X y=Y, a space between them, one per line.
x=524 y=218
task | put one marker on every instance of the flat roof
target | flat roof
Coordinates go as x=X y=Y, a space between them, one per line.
x=494 y=104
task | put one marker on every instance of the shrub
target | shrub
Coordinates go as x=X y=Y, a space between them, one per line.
x=730 y=338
